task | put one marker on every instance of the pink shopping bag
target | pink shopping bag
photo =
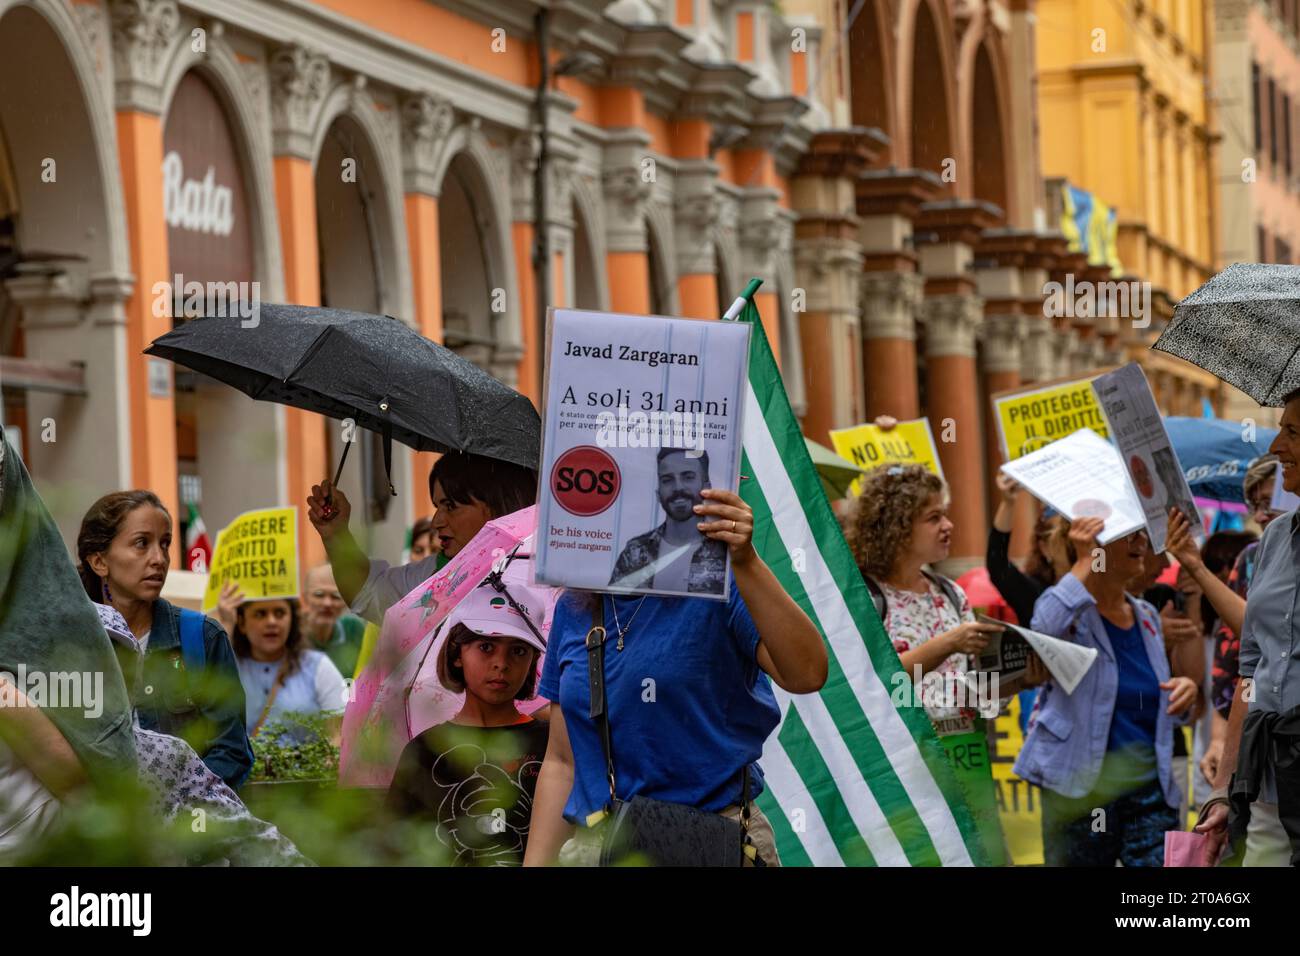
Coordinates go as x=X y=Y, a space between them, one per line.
x=1184 y=848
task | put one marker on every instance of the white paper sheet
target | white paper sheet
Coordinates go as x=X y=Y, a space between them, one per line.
x=1146 y=451
x=1068 y=662
x=1082 y=475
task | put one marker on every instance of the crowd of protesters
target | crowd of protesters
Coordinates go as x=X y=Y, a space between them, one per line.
x=199 y=690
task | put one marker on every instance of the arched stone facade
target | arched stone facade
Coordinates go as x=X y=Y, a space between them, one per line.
x=495 y=321
x=444 y=143
x=66 y=269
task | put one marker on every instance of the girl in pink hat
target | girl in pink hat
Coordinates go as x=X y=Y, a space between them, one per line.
x=473 y=777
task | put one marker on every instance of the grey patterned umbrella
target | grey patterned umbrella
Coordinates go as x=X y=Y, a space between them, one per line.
x=1243 y=326
x=373 y=369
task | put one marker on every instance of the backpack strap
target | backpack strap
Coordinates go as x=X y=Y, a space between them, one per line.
x=192 y=652
x=949 y=588
x=877 y=597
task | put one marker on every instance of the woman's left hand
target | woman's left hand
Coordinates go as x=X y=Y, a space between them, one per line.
x=227 y=613
x=1182 y=693
x=732 y=522
x=1180 y=543
x=1007 y=486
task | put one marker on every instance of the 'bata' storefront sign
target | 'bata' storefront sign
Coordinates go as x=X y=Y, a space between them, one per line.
x=200 y=206
x=209 y=230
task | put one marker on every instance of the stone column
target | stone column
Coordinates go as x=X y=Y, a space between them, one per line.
x=504 y=359
x=79 y=447
x=626 y=193
x=696 y=208
x=559 y=221
x=299 y=81
x=953 y=314
x=828 y=267
x=952 y=325
x=427 y=121
x=1004 y=335
x=891 y=302
x=1000 y=261
x=760 y=238
x=142 y=34
x=1036 y=350
x=887 y=203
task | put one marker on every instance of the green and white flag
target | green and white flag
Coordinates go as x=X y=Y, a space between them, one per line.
x=852 y=780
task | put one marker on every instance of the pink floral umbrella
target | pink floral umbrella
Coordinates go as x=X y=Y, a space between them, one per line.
x=398 y=695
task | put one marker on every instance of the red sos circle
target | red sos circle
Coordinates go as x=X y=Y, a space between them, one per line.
x=585 y=480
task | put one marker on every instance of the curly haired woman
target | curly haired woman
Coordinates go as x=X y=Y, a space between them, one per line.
x=901 y=526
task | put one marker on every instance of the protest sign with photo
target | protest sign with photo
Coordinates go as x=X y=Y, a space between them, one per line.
x=641 y=414
x=1030 y=419
x=907 y=443
x=258 y=551
x=1146 y=451
x=1081 y=476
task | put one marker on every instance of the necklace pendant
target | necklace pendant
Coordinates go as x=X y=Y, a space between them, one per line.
x=619 y=645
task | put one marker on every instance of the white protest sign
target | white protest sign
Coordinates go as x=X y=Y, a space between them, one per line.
x=1139 y=433
x=642 y=413
x=1081 y=476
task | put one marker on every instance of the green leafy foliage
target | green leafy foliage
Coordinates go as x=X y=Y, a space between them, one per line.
x=293 y=786
x=295 y=747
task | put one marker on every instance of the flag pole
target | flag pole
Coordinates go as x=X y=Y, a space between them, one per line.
x=734 y=311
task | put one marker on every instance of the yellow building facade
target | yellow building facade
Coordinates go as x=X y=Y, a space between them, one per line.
x=1126 y=113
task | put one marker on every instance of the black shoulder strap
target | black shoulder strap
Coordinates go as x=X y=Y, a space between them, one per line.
x=596 y=684
x=877 y=597
x=949 y=588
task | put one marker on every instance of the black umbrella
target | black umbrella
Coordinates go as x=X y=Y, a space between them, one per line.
x=374 y=369
x=1243 y=326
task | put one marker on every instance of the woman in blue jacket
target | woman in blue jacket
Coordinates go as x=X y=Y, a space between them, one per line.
x=190 y=685
x=1103 y=755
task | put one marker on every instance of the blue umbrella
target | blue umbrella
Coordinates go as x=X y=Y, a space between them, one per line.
x=1214 y=454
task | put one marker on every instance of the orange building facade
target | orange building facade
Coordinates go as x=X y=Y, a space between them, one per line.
x=376 y=156
x=880 y=175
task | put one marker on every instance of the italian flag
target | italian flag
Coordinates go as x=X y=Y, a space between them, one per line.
x=852 y=780
x=198 y=549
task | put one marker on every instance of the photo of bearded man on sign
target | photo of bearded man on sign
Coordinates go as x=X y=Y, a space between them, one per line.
x=675 y=556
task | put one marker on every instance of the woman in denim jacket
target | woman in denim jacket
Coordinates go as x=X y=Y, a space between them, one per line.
x=123 y=550
x=1103 y=755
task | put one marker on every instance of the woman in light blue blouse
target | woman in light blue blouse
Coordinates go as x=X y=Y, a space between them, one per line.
x=280 y=674
x=1103 y=754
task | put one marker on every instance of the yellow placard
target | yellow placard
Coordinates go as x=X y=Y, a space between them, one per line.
x=259 y=552
x=907 y=443
x=1019 y=802
x=1031 y=419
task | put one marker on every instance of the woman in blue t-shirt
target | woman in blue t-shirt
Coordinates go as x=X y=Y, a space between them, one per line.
x=687 y=699
x=1103 y=754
